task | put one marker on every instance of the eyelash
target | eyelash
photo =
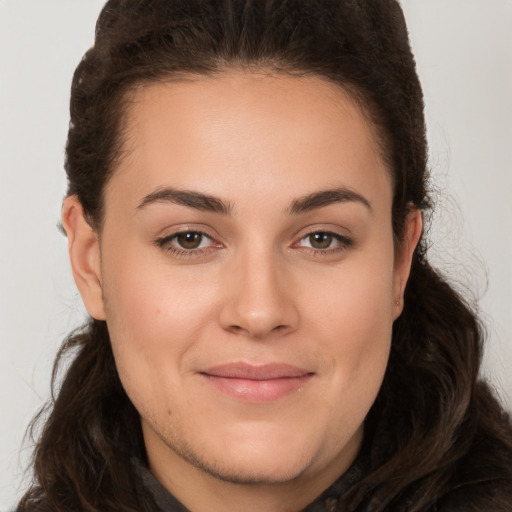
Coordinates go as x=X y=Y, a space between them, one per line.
x=165 y=243
x=344 y=243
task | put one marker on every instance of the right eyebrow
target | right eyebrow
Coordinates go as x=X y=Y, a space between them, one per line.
x=189 y=198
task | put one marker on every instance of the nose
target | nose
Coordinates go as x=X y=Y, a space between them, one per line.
x=259 y=299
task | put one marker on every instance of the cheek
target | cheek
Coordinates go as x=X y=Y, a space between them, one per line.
x=154 y=316
x=360 y=355
x=144 y=297
x=153 y=327
x=354 y=318
x=357 y=297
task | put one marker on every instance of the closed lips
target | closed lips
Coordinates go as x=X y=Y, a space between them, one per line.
x=251 y=372
x=257 y=384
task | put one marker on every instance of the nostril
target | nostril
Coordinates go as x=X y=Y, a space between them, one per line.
x=253 y=333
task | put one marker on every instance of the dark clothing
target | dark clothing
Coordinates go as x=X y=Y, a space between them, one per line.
x=163 y=499
x=325 y=503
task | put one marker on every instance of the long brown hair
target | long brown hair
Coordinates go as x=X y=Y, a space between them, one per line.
x=431 y=407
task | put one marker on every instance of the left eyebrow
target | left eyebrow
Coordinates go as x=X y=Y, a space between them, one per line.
x=324 y=198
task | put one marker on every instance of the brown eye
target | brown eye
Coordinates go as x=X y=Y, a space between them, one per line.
x=188 y=244
x=324 y=243
x=320 y=240
x=189 y=240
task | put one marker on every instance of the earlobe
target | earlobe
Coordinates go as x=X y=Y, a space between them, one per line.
x=413 y=230
x=84 y=255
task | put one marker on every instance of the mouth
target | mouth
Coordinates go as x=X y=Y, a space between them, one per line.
x=257 y=384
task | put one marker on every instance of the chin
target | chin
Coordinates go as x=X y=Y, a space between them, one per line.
x=262 y=454
x=253 y=470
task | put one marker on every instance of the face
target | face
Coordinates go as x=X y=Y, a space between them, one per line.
x=247 y=271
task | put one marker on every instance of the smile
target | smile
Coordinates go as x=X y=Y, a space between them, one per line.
x=257 y=384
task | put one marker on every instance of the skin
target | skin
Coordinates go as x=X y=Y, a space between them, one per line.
x=258 y=289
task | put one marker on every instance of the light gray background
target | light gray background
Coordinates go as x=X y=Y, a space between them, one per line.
x=464 y=54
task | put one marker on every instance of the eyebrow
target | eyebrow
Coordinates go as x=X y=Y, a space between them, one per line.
x=189 y=198
x=325 y=198
x=209 y=203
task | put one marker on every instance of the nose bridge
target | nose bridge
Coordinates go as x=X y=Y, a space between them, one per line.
x=259 y=300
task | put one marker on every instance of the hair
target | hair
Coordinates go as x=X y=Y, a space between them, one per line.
x=431 y=407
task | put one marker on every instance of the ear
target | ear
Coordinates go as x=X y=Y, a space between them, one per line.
x=84 y=254
x=403 y=257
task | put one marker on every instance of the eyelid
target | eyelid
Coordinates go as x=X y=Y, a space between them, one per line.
x=333 y=229
x=164 y=242
x=344 y=241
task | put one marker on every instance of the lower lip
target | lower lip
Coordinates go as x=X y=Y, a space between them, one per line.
x=258 y=391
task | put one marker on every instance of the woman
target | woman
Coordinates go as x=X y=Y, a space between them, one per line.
x=244 y=215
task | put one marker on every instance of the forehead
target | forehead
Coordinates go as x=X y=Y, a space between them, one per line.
x=248 y=92
x=255 y=127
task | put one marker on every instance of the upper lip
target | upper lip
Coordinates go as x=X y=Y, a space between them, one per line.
x=256 y=372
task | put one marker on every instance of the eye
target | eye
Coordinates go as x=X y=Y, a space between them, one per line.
x=187 y=243
x=324 y=242
x=190 y=240
x=320 y=240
